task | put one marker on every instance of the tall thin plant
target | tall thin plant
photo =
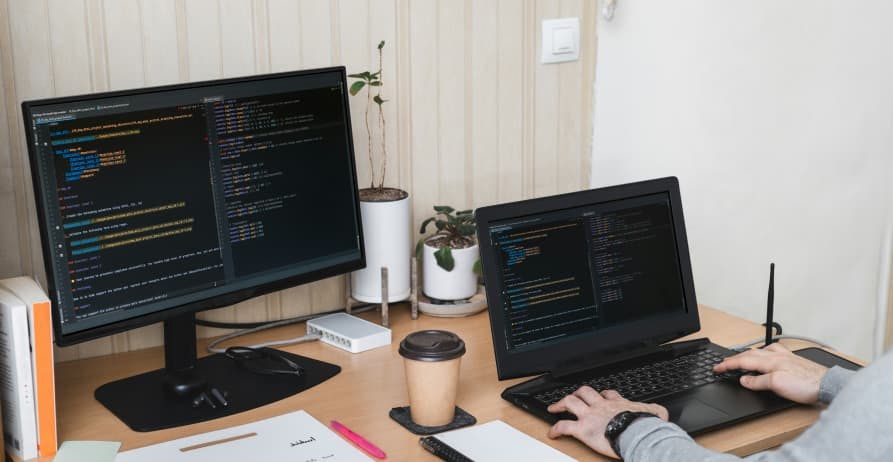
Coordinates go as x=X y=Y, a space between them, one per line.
x=368 y=80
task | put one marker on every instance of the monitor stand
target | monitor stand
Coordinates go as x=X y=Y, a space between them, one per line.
x=164 y=398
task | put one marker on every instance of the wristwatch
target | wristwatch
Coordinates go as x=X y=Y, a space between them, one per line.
x=618 y=424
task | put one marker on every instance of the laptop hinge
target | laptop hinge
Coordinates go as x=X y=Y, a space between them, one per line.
x=635 y=351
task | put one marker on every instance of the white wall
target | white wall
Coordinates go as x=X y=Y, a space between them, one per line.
x=777 y=117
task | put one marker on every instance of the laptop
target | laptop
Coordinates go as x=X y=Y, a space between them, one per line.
x=588 y=288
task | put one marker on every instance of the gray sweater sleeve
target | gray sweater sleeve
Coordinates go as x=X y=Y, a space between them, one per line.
x=854 y=427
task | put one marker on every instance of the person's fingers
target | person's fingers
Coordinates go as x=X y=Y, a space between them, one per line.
x=588 y=395
x=563 y=427
x=778 y=348
x=753 y=360
x=758 y=382
x=569 y=403
x=611 y=394
x=659 y=411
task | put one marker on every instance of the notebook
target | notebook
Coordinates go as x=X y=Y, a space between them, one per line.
x=494 y=441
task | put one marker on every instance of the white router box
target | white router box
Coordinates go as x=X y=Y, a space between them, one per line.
x=349 y=332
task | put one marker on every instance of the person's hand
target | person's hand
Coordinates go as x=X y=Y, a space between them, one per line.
x=594 y=410
x=783 y=372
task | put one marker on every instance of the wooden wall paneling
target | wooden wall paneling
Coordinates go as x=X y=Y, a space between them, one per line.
x=401 y=52
x=285 y=35
x=589 y=55
x=161 y=57
x=511 y=77
x=356 y=52
x=236 y=39
x=547 y=110
x=482 y=123
x=567 y=147
x=449 y=84
x=203 y=42
x=31 y=53
x=529 y=63
x=316 y=33
x=425 y=110
x=10 y=243
x=473 y=118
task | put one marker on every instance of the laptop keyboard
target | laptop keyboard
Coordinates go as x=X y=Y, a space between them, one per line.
x=660 y=378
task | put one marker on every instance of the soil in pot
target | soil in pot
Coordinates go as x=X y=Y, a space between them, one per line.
x=382 y=194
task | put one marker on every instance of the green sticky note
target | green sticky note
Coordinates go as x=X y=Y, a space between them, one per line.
x=87 y=451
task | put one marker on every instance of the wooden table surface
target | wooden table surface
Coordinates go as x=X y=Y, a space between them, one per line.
x=372 y=382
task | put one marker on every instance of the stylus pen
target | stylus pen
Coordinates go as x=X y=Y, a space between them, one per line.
x=770 y=305
x=363 y=443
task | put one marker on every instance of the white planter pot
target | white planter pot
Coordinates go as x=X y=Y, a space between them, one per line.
x=386 y=232
x=458 y=284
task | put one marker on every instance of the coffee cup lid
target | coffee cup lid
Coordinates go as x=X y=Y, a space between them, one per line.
x=432 y=345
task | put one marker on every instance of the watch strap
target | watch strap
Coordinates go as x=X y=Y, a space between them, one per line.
x=618 y=424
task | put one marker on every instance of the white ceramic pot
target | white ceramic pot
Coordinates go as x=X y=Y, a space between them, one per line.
x=386 y=233
x=459 y=284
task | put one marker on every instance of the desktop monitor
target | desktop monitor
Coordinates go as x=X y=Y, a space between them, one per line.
x=156 y=203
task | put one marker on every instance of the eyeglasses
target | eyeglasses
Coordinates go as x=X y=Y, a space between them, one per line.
x=265 y=361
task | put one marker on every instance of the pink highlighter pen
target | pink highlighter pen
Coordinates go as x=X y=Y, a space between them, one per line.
x=358 y=440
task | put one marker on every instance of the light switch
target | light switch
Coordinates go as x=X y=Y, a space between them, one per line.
x=560 y=40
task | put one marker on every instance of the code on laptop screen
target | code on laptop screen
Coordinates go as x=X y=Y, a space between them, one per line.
x=572 y=272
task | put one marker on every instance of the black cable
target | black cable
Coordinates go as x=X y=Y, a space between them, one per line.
x=252 y=325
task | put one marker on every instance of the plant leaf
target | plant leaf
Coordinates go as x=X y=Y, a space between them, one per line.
x=443 y=209
x=440 y=224
x=477 y=268
x=381 y=44
x=378 y=100
x=375 y=83
x=466 y=229
x=356 y=87
x=358 y=76
x=464 y=212
x=425 y=225
x=444 y=257
x=374 y=76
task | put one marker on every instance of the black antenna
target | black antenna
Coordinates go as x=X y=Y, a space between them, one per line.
x=770 y=305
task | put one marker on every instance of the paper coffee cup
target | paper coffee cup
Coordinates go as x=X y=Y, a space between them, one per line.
x=431 y=361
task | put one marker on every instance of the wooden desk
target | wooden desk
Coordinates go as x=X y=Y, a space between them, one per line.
x=371 y=383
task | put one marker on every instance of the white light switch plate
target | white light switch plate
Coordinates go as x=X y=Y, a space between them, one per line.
x=560 y=40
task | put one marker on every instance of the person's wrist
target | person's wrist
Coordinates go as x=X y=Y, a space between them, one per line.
x=620 y=422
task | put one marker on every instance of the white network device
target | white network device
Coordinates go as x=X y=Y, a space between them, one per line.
x=349 y=332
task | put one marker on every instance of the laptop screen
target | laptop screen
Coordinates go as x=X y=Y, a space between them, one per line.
x=570 y=272
x=584 y=273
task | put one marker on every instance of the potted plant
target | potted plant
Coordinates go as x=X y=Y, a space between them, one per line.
x=385 y=211
x=450 y=257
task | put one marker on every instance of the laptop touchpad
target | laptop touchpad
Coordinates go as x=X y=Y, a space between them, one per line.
x=691 y=413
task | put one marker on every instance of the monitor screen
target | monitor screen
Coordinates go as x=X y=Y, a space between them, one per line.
x=585 y=276
x=178 y=197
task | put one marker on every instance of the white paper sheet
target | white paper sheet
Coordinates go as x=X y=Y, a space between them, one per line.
x=295 y=437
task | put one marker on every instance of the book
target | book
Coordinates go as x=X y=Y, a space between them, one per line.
x=494 y=441
x=295 y=436
x=40 y=324
x=16 y=382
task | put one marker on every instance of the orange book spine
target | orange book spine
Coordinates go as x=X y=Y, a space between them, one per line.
x=45 y=380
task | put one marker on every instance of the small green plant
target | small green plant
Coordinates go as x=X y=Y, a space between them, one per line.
x=455 y=230
x=368 y=80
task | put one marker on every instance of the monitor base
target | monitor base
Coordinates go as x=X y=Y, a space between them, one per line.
x=143 y=403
